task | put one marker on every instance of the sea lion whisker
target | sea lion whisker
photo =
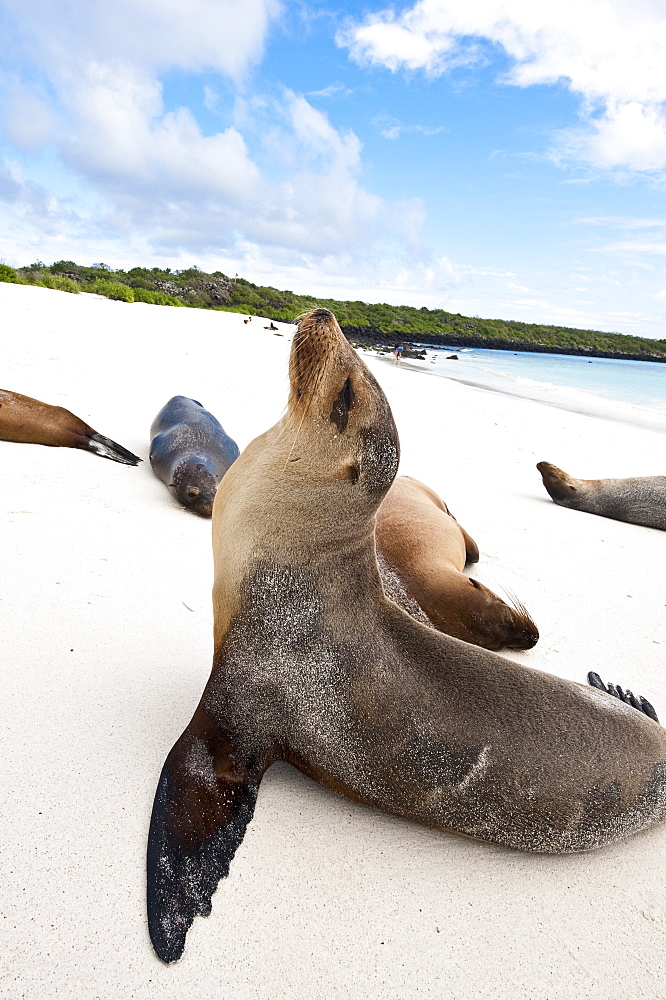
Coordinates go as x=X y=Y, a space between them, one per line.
x=305 y=413
x=517 y=605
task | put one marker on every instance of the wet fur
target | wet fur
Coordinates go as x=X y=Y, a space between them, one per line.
x=426 y=547
x=314 y=665
x=190 y=452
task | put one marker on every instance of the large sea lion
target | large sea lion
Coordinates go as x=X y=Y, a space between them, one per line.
x=426 y=547
x=315 y=666
x=190 y=451
x=640 y=500
x=30 y=421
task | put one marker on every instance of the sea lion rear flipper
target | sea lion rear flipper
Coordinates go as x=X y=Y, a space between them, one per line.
x=107 y=448
x=203 y=803
x=628 y=697
x=471 y=548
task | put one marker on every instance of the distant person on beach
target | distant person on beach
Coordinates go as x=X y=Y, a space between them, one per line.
x=397 y=352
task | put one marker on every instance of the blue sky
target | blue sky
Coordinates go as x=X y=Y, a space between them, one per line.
x=497 y=158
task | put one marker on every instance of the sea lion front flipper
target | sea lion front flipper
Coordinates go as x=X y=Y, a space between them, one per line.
x=628 y=697
x=471 y=548
x=107 y=448
x=204 y=800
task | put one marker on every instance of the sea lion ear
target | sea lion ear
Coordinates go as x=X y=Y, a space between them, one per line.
x=202 y=806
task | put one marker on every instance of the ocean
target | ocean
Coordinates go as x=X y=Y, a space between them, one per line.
x=631 y=391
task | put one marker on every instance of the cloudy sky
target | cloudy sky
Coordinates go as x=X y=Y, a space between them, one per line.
x=498 y=158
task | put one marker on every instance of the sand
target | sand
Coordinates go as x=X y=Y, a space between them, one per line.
x=106 y=646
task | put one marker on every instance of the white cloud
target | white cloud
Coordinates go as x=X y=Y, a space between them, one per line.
x=196 y=35
x=609 y=52
x=631 y=136
x=391 y=128
x=282 y=175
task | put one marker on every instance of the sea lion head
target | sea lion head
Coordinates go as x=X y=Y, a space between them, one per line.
x=321 y=472
x=560 y=486
x=308 y=489
x=195 y=486
x=491 y=622
x=343 y=430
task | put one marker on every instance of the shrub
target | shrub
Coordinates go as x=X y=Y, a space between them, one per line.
x=111 y=289
x=8 y=273
x=155 y=298
x=60 y=282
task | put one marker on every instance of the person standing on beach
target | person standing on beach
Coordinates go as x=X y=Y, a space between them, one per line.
x=397 y=352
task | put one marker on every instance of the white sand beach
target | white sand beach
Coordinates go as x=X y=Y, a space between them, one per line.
x=107 y=644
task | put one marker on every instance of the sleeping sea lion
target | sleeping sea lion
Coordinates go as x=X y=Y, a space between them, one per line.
x=640 y=500
x=315 y=666
x=426 y=547
x=30 y=421
x=190 y=452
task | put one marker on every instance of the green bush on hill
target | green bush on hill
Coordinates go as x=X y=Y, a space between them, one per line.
x=155 y=298
x=111 y=289
x=373 y=322
x=60 y=283
x=8 y=273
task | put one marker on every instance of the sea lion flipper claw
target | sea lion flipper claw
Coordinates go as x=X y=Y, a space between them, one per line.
x=202 y=806
x=647 y=709
x=107 y=448
x=640 y=703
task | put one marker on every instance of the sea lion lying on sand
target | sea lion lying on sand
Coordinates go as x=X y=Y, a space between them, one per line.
x=30 y=421
x=315 y=666
x=426 y=547
x=640 y=500
x=190 y=452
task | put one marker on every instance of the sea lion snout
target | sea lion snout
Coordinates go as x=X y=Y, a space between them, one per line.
x=558 y=484
x=195 y=487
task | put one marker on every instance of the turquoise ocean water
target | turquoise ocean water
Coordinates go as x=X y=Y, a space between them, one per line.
x=631 y=391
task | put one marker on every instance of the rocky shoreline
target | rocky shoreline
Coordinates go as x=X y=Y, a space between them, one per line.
x=373 y=337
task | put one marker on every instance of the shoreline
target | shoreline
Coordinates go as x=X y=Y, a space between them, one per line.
x=656 y=424
x=373 y=335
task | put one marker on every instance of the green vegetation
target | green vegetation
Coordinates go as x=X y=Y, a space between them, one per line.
x=8 y=274
x=112 y=289
x=362 y=322
x=155 y=298
x=59 y=283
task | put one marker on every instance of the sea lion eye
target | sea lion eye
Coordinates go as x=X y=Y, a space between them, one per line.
x=342 y=406
x=353 y=473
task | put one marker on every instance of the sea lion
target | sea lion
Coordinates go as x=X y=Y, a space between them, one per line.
x=315 y=666
x=426 y=547
x=640 y=500
x=625 y=695
x=30 y=421
x=190 y=452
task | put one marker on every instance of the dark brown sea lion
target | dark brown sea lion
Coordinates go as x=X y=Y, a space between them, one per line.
x=426 y=547
x=640 y=500
x=30 y=421
x=314 y=665
x=190 y=451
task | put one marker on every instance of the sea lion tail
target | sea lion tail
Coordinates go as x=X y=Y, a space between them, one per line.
x=107 y=448
x=203 y=803
x=628 y=697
